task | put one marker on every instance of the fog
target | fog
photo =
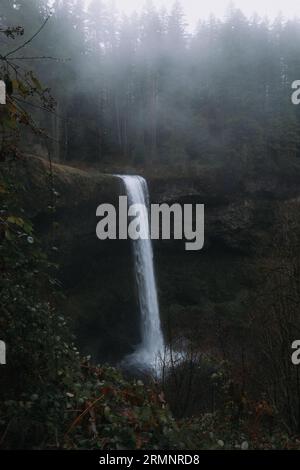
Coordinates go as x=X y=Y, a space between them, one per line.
x=133 y=90
x=195 y=9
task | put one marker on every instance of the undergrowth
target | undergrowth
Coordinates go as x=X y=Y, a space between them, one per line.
x=52 y=398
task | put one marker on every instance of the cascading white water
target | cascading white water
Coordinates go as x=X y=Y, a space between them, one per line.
x=152 y=345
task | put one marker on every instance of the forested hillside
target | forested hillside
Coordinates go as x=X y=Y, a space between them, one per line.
x=147 y=88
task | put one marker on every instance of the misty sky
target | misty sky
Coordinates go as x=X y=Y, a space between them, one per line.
x=202 y=8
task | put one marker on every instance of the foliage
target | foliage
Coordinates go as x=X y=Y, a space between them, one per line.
x=240 y=424
x=40 y=348
x=23 y=89
x=119 y=414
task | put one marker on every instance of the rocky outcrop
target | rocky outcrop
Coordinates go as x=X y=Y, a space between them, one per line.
x=73 y=193
x=96 y=276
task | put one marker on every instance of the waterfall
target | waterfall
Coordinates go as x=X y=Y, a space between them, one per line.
x=152 y=345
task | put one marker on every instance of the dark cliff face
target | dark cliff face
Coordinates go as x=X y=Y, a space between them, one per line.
x=97 y=277
x=197 y=290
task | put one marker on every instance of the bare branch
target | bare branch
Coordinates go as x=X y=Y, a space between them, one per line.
x=57 y=59
x=30 y=39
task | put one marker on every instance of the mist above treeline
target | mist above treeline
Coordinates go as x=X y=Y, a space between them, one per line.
x=142 y=89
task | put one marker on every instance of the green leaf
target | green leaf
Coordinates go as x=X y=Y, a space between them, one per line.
x=16 y=221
